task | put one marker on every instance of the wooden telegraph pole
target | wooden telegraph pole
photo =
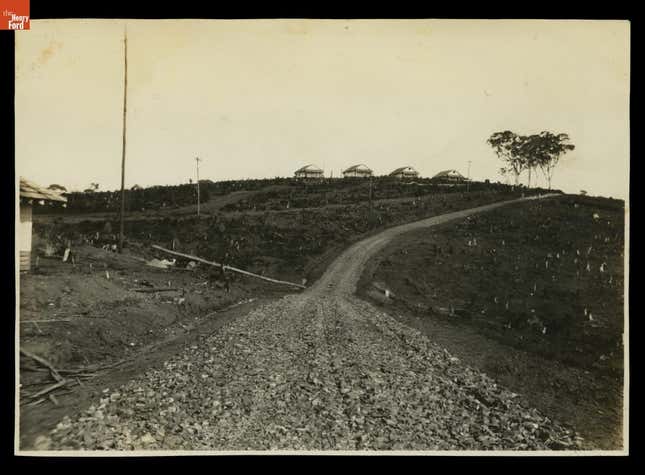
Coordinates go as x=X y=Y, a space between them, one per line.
x=197 y=159
x=125 y=102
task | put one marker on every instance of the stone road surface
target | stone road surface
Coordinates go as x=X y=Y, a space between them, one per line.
x=317 y=370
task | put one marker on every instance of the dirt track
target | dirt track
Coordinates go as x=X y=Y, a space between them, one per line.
x=342 y=275
x=316 y=370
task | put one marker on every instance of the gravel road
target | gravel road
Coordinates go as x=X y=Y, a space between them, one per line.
x=316 y=370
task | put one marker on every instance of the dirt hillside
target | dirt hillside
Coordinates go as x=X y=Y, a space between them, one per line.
x=530 y=294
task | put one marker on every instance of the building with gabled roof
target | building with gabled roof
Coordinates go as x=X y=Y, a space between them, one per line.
x=450 y=176
x=308 y=172
x=32 y=195
x=361 y=171
x=405 y=172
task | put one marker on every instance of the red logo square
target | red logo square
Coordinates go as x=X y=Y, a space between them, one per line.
x=14 y=15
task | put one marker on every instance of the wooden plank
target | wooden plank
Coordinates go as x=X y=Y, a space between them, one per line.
x=163 y=289
x=46 y=321
x=233 y=269
x=25 y=261
x=48 y=389
x=43 y=362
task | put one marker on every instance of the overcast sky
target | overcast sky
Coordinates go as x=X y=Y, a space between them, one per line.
x=261 y=98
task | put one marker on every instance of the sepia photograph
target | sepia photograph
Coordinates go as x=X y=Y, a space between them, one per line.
x=322 y=236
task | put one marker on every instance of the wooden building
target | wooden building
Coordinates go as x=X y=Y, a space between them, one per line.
x=32 y=195
x=309 y=172
x=360 y=171
x=405 y=173
x=449 y=177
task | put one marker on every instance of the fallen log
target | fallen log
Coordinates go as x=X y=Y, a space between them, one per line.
x=90 y=371
x=77 y=373
x=164 y=289
x=48 y=389
x=35 y=322
x=225 y=267
x=35 y=403
x=45 y=363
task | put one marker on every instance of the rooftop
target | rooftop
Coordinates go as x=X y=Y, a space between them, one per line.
x=403 y=169
x=452 y=173
x=31 y=191
x=309 y=168
x=357 y=167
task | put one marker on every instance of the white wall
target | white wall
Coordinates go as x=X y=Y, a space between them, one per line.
x=24 y=234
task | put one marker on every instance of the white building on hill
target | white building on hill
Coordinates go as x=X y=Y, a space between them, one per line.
x=361 y=171
x=309 y=171
x=405 y=172
x=450 y=176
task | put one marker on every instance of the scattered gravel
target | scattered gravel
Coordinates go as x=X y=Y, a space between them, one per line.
x=320 y=370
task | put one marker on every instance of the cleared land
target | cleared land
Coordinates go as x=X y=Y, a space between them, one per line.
x=530 y=294
x=320 y=369
x=85 y=317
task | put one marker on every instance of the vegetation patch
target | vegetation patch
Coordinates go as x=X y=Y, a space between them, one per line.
x=544 y=278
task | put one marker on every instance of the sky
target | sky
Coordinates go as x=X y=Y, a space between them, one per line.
x=261 y=98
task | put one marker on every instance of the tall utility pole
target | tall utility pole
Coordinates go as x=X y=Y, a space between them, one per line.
x=125 y=108
x=468 y=185
x=197 y=159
